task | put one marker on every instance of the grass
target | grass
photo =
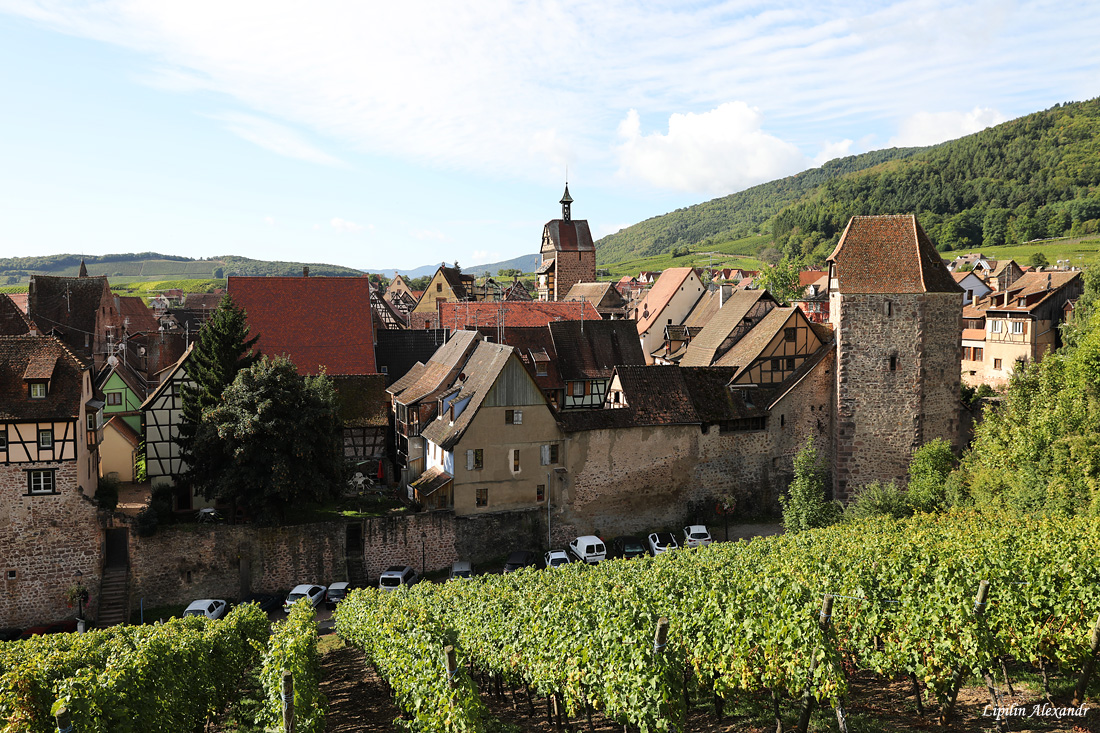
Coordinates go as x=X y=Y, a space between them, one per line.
x=1080 y=251
x=155 y=613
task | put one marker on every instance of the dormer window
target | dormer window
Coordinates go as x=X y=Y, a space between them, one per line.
x=38 y=390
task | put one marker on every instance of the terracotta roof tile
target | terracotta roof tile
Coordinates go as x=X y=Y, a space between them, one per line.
x=459 y=316
x=13 y=321
x=889 y=254
x=570 y=236
x=136 y=316
x=318 y=322
x=593 y=352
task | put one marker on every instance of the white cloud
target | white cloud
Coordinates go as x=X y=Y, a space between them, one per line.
x=929 y=128
x=720 y=151
x=274 y=137
x=481 y=256
x=269 y=220
x=344 y=226
x=831 y=151
x=520 y=89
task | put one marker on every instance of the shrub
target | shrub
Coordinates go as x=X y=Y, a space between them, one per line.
x=806 y=505
x=929 y=468
x=880 y=499
x=106 y=494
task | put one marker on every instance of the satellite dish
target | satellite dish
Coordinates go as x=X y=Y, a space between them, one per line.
x=112 y=360
x=141 y=351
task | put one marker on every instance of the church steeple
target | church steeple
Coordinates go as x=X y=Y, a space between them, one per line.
x=84 y=270
x=566 y=200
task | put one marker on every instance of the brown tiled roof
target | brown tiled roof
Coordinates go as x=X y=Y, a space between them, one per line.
x=752 y=343
x=431 y=481
x=976 y=309
x=38 y=357
x=593 y=349
x=1036 y=287
x=657 y=395
x=889 y=254
x=126 y=373
x=712 y=398
x=68 y=304
x=481 y=370
x=596 y=294
x=703 y=349
x=136 y=316
x=362 y=400
x=810 y=277
x=667 y=285
x=533 y=345
x=425 y=380
x=20 y=300
x=705 y=309
x=516 y=291
x=570 y=236
x=458 y=316
x=13 y=321
x=317 y=322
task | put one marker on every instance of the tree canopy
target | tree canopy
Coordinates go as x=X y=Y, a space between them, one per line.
x=277 y=435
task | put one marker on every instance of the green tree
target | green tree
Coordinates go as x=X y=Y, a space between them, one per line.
x=929 y=468
x=219 y=273
x=806 y=505
x=509 y=272
x=278 y=434
x=781 y=280
x=222 y=350
x=1038 y=259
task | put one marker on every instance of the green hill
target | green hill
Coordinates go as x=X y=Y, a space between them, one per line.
x=1031 y=178
x=151 y=266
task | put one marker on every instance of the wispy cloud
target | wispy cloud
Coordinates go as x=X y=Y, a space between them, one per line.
x=522 y=89
x=274 y=137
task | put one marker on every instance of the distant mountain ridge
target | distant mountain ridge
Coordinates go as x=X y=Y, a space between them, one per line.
x=156 y=266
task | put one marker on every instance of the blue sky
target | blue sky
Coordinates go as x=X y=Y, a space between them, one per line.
x=397 y=135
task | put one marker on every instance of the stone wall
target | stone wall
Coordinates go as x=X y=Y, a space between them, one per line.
x=883 y=411
x=182 y=563
x=424 y=541
x=44 y=540
x=572 y=268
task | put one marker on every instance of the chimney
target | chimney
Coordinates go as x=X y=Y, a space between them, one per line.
x=1048 y=281
x=305 y=272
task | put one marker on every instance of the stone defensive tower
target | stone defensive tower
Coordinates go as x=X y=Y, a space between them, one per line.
x=897 y=316
x=568 y=253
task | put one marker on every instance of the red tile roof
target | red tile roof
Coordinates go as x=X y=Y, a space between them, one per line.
x=570 y=236
x=458 y=316
x=13 y=320
x=889 y=254
x=318 y=322
x=136 y=316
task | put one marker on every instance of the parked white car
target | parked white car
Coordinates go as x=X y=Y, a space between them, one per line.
x=209 y=607
x=396 y=576
x=461 y=569
x=588 y=548
x=659 y=542
x=314 y=593
x=556 y=558
x=696 y=535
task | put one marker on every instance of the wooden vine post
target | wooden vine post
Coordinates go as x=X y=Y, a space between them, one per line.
x=64 y=720
x=450 y=664
x=288 y=702
x=956 y=679
x=825 y=619
x=1090 y=662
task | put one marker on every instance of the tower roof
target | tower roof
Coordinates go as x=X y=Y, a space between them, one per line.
x=566 y=198
x=889 y=254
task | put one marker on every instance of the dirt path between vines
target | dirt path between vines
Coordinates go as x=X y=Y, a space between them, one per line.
x=357 y=699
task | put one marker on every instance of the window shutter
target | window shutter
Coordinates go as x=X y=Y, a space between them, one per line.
x=470 y=460
x=519 y=417
x=546 y=455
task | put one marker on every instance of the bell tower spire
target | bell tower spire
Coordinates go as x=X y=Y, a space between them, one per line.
x=566 y=200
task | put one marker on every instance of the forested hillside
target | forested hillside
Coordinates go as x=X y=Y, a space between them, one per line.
x=1031 y=178
x=731 y=217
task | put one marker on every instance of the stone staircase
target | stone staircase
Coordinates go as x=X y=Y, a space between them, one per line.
x=114 y=597
x=357 y=572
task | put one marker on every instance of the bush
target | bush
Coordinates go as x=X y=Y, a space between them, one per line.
x=929 y=468
x=806 y=505
x=880 y=499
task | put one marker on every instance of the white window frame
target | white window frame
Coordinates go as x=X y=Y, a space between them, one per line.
x=38 y=390
x=578 y=389
x=1017 y=327
x=45 y=439
x=995 y=326
x=42 y=481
